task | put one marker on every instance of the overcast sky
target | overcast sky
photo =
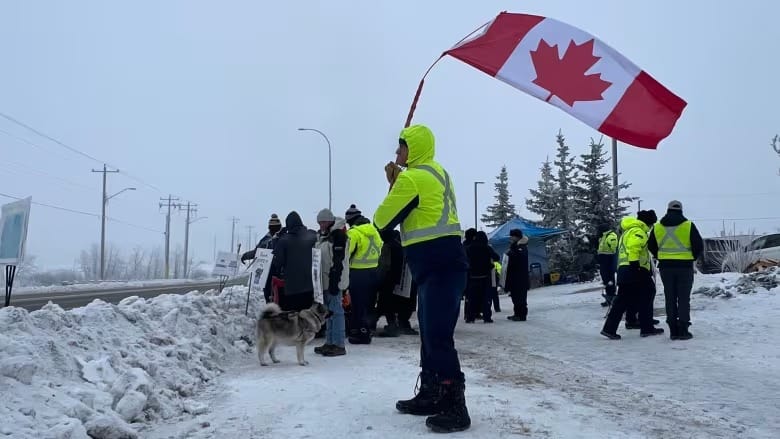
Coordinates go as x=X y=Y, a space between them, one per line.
x=202 y=99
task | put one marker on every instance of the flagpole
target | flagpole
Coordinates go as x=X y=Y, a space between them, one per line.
x=422 y=81
x=615 y=185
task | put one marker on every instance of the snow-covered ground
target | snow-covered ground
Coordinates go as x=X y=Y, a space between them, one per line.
x=154 y=370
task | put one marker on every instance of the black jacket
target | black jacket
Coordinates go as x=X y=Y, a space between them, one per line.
x=517 y=278
x=480 y=257
x=391 y=260
x=292 y=256
x=671 y=219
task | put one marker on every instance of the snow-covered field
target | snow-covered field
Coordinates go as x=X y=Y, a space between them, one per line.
x=154 y=369
x=107 y=285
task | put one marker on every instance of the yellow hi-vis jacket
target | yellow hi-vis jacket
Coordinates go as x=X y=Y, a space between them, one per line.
x=365 y=245
x=633 y=243
x=674 y=242
x=422 y=198
x=608 y=243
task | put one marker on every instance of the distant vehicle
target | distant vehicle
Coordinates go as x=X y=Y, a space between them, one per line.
x=762 y=248
x=716 y=251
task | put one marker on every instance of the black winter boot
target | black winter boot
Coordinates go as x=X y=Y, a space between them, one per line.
x=453 y=415
x=426 y=398
x=683 y=333
x=673 y=330
x=406 y=328
x=390 y=330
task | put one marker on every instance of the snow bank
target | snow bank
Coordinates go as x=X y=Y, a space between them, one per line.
x=107 y=285
x=729 y=287
x=104 y=370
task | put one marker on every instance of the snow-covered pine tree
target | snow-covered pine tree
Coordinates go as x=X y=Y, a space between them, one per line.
x=503 y=209
x=544 y=197
x=564 y=250
x=596 y=195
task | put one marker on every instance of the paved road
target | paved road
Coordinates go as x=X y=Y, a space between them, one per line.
x=75 y=299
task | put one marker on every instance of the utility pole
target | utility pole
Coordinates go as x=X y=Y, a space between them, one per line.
x=103 y=202
x=475 y=202
x=190 y=208
x=234 y=221
x=169 y=202
x=249 y=236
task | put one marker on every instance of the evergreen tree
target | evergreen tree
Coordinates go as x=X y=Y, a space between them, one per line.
x=544 y=197
x=503 y=209
x=566 y=179
x=596 y=194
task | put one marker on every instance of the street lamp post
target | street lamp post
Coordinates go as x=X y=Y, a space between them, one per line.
x=187 y=242
x=103 y=231
x=330 y=169
x=475 y=201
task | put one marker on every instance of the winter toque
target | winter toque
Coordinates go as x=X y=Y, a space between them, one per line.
x=326 y=215
x=352 y=213
x=274 y=221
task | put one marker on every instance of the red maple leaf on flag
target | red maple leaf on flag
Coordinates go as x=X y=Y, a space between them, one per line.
x=565 y=77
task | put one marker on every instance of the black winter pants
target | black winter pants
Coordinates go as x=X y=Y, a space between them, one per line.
x=640 y=294
x=678 y=282
x=520 y=302
x=607 y=273
x=478 y=298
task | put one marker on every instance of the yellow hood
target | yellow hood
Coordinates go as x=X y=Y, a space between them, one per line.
x=631 y=222
x=421 y=143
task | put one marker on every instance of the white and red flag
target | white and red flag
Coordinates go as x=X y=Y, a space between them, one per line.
x=576 y=72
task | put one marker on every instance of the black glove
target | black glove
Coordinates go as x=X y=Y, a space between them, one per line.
x=247 y=256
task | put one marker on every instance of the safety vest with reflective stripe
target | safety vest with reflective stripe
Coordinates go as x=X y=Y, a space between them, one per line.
x=365 y=246
x=634 y=239
x=415 y=228
x=674 y=242
x=608 y=243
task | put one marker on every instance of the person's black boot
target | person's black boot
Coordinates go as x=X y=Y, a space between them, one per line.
x=426 y=398
x=674 y=330
x=453 y=415
x=406 y=328
x=651 y=332
x=363 y=336
x=683 y=333
x=390 y=330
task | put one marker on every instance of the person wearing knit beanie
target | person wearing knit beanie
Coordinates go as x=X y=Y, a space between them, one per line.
x=352 y=214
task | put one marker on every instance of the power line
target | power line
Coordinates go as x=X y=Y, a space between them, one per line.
x=738 y=219
x=74 y=150
x=81 y=212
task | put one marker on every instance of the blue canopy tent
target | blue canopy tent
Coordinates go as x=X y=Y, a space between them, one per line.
x=537 y=251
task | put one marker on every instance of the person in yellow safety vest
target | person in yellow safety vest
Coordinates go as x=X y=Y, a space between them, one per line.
x=607 y=259
x=634 y=277
x=422 y=201
x=365 y=245
x=676 y=243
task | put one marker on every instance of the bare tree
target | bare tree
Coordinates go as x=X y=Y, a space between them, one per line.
x=135 y=264
x=89 y=262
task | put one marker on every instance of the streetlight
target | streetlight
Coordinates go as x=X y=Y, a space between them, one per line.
x=187 y=241
x=475 y=201
x=330 y=169
x=103 y=231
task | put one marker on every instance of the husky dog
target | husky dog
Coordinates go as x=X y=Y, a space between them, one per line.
x=292 y=328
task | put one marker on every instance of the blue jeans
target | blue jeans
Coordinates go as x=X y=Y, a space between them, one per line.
x=334 y=330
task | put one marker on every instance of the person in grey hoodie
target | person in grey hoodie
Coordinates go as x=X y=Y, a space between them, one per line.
x=292 y=262
x=334 y=276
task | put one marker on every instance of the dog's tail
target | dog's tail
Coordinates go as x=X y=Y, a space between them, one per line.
x=270 y=310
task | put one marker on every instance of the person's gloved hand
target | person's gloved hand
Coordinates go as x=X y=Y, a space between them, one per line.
x=391 y=172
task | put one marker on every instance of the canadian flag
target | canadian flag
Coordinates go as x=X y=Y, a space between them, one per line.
x=576 y=72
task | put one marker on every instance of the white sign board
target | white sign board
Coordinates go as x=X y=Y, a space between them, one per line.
x=504 y=270
x=316 y=276
x=226 y=264
x=14 y=219
x=260 y=268
x=404 y=288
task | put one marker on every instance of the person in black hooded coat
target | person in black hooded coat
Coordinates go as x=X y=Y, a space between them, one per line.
x=292 y=262
x=480 y=257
